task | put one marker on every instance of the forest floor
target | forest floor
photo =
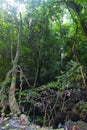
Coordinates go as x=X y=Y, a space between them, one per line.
x=22 y=123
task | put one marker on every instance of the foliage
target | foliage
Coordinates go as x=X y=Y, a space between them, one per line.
x=53 y=55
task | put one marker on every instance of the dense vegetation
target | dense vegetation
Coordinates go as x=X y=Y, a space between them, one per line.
x=43 y=60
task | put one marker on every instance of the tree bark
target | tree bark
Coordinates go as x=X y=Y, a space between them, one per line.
x=37 y=75
x=12 y=99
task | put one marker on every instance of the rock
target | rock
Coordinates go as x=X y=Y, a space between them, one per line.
x=68 y=125
x=80 y=125
x=24 y=119
x=1 y=120
x=75 y=127
x=15 y=123
x=60 y=126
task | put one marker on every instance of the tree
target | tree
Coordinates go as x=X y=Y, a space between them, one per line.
x=12 y=100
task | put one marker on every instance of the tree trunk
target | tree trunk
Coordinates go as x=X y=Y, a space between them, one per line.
x=37 y=75
x=12 y=99
x=79 y=62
